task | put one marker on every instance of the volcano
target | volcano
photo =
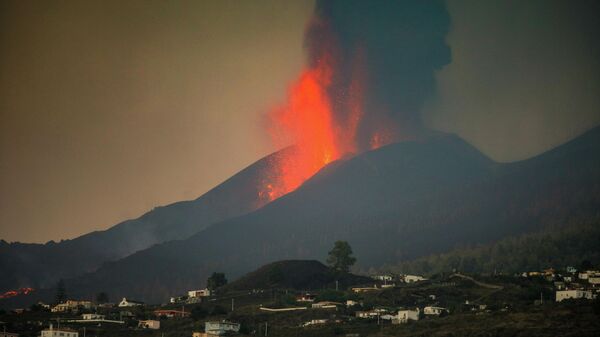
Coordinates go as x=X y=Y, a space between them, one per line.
x=398 y=202
x=42 y=265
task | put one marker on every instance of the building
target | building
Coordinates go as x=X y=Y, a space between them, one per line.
x=199 y=293
x=436 y=311
x=129 y=303
x=220 y=328
x=413 y=278
x=325 y=305
x=594 y=280
x=305 y=298
x=385 y=278
x=171 y=313
x=404 y=316
x=367 y=314
x=364 y=289
x=351 y=303
x=88 y=317
x=315 y=322
x=71 y=305
x=562 y=295
x=149 y=324
x=60 y=332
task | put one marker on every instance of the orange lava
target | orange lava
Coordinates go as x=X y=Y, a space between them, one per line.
x=307 y=122
x=13 y=293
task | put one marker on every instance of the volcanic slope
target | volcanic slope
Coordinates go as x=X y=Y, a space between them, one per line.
x=398 y=202
x=41 y=265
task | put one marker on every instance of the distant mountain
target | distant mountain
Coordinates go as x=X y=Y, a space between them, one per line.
x=295 y=274
x=396 y=203
x=41 y=265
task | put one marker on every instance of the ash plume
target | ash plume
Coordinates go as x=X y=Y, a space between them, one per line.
x=385 y=56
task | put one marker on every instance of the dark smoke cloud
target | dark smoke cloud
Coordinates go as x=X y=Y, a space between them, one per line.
x=394 y=46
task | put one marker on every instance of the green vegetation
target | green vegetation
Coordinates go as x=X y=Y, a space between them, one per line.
x=340 y=257
x=556 y=248
x=61 y=291
x=216 y=280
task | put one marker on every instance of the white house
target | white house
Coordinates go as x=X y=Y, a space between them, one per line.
x=62 y=332
x=221 y=328
x=366 y=314
x=149 y=324
x=351 y=303
x=434 y=310
x=88 y=317
x=594 y=280
x=562 y=295
x=199 y=293
x=404 y=316
x=413 y=278
x=129 y=303
x=315 y=322
x=71 y=305
x=385 y=278
x=325 y=305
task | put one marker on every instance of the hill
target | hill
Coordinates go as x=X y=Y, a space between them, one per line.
x=41 y=265
x=294 y=274
x=396 y=203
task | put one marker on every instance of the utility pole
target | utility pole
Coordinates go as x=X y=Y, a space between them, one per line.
x=232 y=304
x=266 y=328
x=336 y=285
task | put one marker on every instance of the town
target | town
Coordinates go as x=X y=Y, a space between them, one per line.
x=380 y=305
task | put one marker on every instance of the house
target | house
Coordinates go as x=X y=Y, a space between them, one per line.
x=404 y=316
x=413 y=278
x=571 y=270
x=178 y=299
x=559 y=285
x=129 y=303
x=435 y=311
x=171 y=313
x=364 y=289
x=367 y=314
x=305 y=298
x=325 y=305
x=199 y=293
x=149 y=324
x=562 y=295
x=351 y=303
x=61 y=332
x=594 y=280
x=583 y=276
x=88 y=317
x=220 y=328
x=71 y=305
x=385 y=278
x=315 y=322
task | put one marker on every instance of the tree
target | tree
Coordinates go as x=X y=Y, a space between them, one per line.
x=340 y=257
x=216 y=280
x=102 y=298
x=61 y=291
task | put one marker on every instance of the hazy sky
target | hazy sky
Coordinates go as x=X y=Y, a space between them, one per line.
x=109 y=108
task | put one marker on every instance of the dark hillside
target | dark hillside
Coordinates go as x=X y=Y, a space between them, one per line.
x=294 y=274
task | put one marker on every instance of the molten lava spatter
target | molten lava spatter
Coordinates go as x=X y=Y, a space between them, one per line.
x=13 y=293
x=306 y=121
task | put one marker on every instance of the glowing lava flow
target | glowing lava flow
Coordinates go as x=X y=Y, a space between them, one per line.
x=13 y=293
x=307 y=122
